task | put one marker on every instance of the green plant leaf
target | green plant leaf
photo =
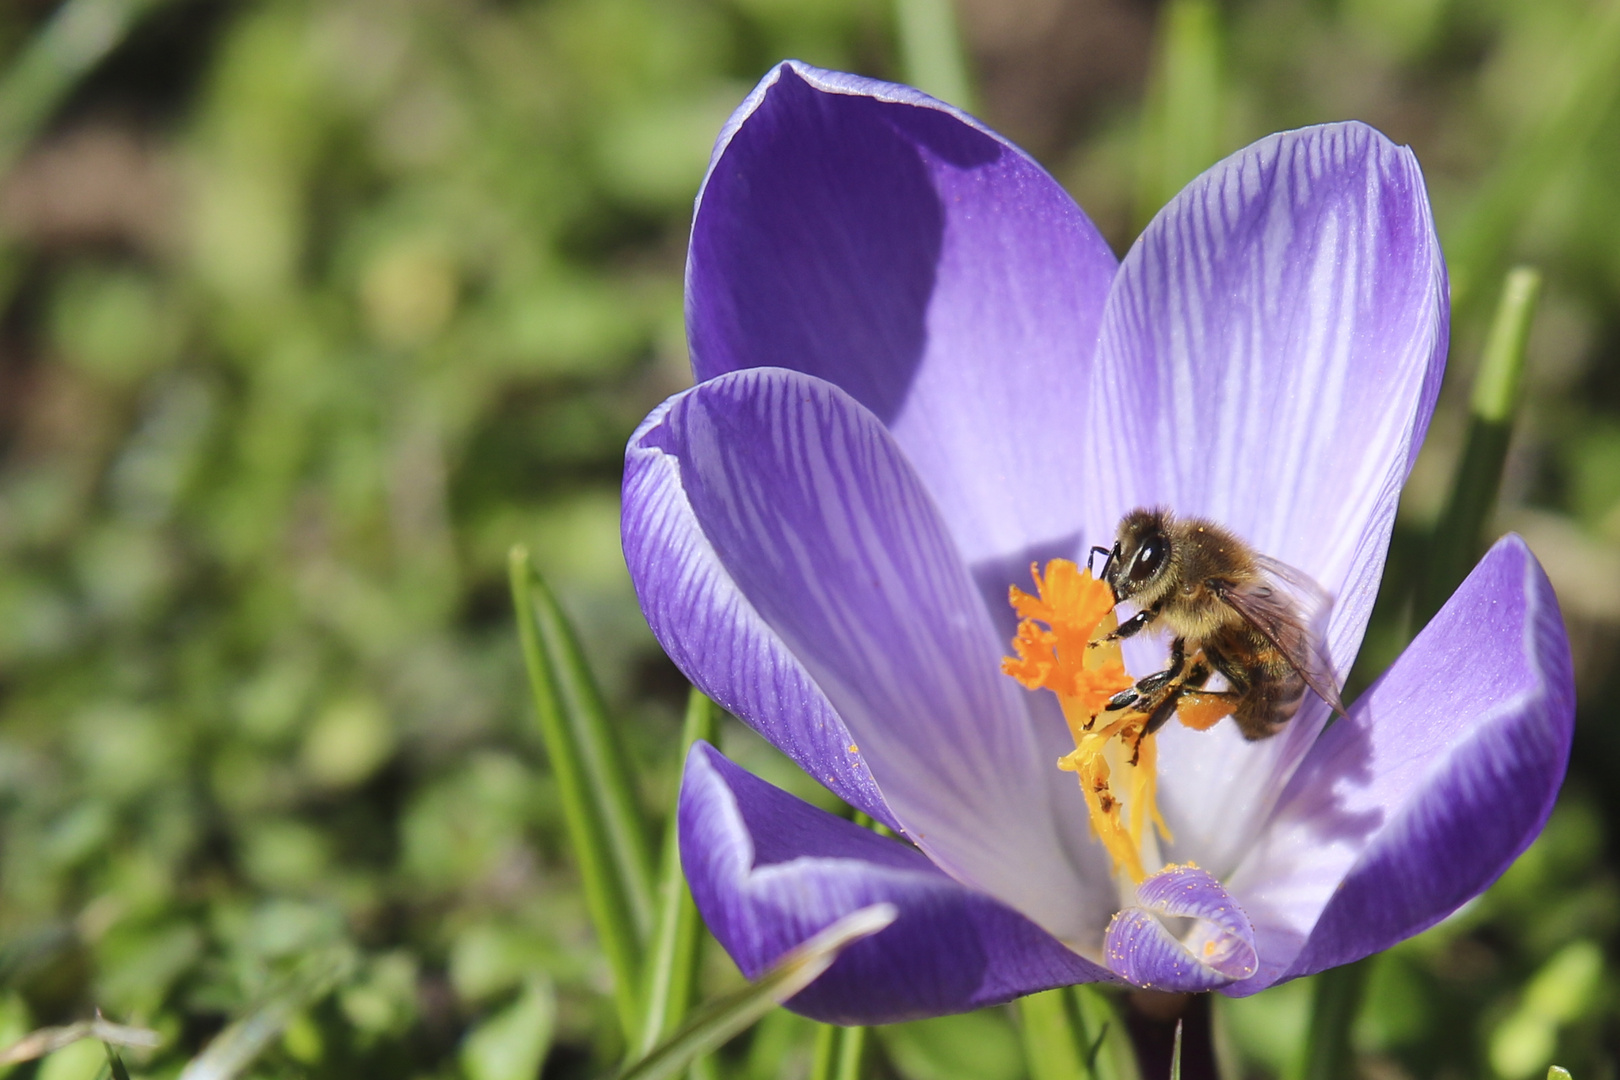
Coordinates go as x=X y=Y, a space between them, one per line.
x=1572 y=103
x=1459 y=534
x=1052 y=1046
x=597 y=807
x=672 y=959
x=79 y=34
x=1326 y=1054
x=512 y=1044
x=1181 y=119
x=1109 y=1052
x=236 y=1048
x=115 y=1064
x=602 y=756
x=717 y=1022
x=931 y=52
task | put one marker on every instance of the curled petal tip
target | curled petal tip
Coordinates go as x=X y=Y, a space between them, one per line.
x=1219 y=949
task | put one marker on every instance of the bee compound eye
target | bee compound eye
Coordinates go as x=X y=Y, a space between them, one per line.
x=1148 y=558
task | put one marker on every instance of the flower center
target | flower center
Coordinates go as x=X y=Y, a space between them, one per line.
x=1063 y=646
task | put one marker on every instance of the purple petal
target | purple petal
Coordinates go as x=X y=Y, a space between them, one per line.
x=792 y=565
x=867 y=234
x=1444 y=772
x=768 y=870
x=1269 y=358
x=1218 y=949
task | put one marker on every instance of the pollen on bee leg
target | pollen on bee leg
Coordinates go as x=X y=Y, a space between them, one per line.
x=1062 y=646
x=1203 y=711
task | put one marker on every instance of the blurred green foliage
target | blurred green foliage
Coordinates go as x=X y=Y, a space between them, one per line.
x=313 y=308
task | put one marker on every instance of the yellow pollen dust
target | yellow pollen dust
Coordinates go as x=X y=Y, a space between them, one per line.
x=1061 y=647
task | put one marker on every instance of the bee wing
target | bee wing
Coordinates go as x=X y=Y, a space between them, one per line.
x=1291 y=611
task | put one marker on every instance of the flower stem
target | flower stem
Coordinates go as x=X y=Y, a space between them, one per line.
x=1459 y=535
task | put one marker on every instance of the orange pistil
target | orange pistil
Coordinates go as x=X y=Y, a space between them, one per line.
x=1116 y=761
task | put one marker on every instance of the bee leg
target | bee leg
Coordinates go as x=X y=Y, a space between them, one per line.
x=1149 y=686
x=1161 y=714
x=1235 y=676
x=1108 y=558
x=1131 y=626
x=1122 y=700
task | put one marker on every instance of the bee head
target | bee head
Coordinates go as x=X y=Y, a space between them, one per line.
x=1137 y=566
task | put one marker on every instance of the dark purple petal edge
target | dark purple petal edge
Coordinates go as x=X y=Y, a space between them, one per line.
x=768 y=870
x=1444 y=773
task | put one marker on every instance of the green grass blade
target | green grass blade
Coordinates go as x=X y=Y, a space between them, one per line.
x=1175 y=1055
x=851 y=1053
x=1181 y=118
x=931 y=53
x=1326 y=1054
x=1574 y=99
x=605 y=888
x=839 y=1053
x=1459 y=535
x=115 y=1064
x=672 y=959
x=713 y=1025
x=824 y=1057
x=1052 y=1044
x=625 y=828
x=1110 y=1054
x=78 y=36
x=37 y=1044
x=233 y=1050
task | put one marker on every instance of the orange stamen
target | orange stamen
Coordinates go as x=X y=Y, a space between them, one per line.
x=1071 y=656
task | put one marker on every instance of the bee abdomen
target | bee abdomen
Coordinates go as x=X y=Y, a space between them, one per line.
x=1271 y=702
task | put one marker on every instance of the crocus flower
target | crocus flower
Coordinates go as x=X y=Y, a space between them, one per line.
x=920 y=370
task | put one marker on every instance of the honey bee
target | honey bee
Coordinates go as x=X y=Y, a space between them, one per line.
x=1232 y=610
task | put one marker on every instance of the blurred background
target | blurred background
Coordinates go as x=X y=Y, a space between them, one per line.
x=310 y=309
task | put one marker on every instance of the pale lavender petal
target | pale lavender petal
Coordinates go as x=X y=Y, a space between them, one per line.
x=867 y=234
x=768 y=871
x=1444 y=772
x=1216 y=950
x=1269 y=358
x=780 y=544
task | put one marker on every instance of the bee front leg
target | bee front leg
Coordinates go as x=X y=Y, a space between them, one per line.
x=1149 y=685
x=1130 y=627
x=1108 y=559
